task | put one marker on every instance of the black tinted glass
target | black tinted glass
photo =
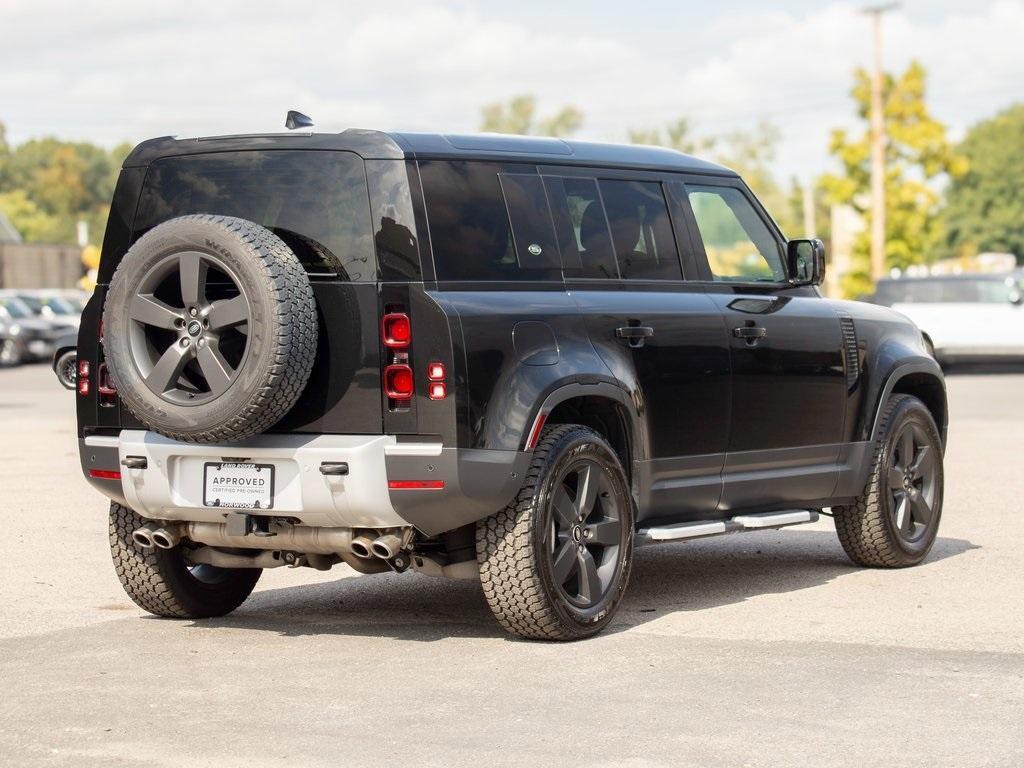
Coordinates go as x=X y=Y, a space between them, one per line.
x=470 y=232
x=315 y=201
x=582 y=227
x=532 y=230
x=394 y=225
x=641 y=230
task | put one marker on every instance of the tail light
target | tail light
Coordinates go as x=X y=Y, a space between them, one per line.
x=398 y=381
x=84 y=387
x=437 y=389
x=396 y=330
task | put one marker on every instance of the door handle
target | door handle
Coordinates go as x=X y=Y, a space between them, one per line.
x=750 y=333
x=635 y=335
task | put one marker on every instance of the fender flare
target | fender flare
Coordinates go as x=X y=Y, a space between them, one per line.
x=923 y=365
x=615 y=392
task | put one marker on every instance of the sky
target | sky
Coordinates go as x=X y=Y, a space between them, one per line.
x=131 y=69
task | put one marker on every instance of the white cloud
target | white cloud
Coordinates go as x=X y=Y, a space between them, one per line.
x=119 y=69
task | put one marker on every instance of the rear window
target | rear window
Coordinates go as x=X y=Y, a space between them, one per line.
x=316 y=202
x=488 y=222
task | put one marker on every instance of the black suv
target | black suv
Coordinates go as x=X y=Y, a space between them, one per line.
x=505 y=358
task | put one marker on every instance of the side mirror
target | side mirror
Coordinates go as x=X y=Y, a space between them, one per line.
x=805 y=261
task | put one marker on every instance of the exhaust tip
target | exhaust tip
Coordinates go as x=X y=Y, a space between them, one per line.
x=162 y=540
x=143 y=538
x=361 y=547
x=386 y=547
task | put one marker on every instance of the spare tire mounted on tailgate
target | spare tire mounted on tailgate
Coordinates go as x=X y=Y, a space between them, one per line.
x=210 y=328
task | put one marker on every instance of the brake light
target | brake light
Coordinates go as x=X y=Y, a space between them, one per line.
x=398 y=381
x=83 y=386
x=396 y=330
x=435 y=371
x=83 y=369
x=438 y=390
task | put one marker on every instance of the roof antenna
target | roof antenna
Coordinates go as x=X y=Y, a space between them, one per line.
x=297 y=120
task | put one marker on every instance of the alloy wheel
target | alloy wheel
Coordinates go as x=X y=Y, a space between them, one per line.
x=189 y=326
x=912 y=482
x=585 y=535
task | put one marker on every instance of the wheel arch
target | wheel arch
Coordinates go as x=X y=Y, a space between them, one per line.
x=605 y=408
x=922 y=379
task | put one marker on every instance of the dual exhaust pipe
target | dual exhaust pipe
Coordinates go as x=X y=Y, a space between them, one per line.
x=152 y=535
x=386 y=547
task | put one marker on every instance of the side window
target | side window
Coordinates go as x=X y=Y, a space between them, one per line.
x=470 y=231
x=532 y=230
x=641 y=230
x=738 y=243
x=582 y=227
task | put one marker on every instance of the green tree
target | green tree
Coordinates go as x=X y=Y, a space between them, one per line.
x=918 y=155
x=48 y=185
x=985 y=205
x=749 y=153
x=678 y=135
x=518 y=116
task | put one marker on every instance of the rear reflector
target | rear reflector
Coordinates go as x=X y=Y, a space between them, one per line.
x=415 y=485
x=105 y=474
x=538 y=425
x=396 y=330
x=398 y=382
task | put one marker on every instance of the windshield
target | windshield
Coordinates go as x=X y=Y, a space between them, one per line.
x=60 y=306
x=32 y=303
x=14 y=308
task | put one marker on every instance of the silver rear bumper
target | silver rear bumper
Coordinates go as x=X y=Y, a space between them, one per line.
x=170 y=487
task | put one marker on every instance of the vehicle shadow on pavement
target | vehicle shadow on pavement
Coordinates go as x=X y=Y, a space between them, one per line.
x=666 y=579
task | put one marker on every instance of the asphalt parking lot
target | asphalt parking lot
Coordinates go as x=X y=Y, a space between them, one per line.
x=765 y=648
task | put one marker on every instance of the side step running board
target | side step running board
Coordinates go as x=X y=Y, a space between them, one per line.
x=703 y=528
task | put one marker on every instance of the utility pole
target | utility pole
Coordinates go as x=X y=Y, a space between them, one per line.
x=877 y=146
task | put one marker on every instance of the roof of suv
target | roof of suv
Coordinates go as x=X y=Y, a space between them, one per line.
x=373 y=145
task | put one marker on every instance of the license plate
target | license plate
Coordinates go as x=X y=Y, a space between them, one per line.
x=238 y=486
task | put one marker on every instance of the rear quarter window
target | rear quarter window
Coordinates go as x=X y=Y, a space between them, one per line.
x=316 y=201
x=488 y=222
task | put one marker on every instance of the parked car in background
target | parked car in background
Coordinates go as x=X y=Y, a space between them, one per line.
x=31 y=337
x=53 y=306
x=965 y=318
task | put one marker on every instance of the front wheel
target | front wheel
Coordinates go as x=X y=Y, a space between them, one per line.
x=161 y=582
x=894 y=521
x=554 y=564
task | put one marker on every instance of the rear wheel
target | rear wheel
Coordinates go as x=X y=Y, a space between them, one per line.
x=66 y=369
x=161 y=582
x=895 y=520
x=555 y=563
